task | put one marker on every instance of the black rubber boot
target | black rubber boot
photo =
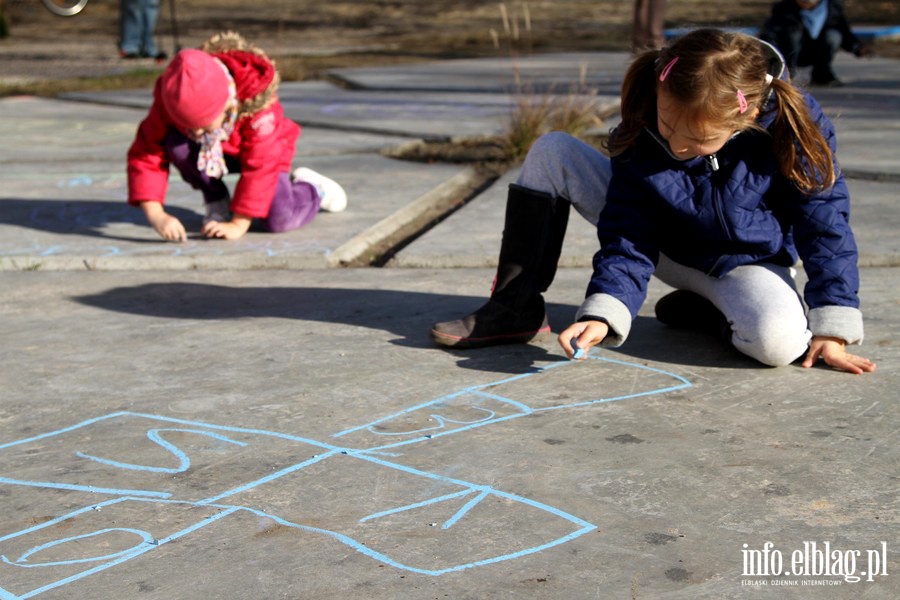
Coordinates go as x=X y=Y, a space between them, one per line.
x=533 y=233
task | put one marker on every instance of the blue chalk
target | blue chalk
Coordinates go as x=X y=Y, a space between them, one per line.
x=579 y=352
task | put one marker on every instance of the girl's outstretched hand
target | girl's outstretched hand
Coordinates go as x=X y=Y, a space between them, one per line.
x=832 y=350
x=586 y=334
x=229 y=230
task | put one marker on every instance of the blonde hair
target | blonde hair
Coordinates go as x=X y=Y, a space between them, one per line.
x=720 y=78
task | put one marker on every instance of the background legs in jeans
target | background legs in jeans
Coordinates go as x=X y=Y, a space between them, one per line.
x=137 y=24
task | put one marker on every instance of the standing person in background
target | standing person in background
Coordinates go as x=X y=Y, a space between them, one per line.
x=137 y=24
x=647 y=31
x=810 y=33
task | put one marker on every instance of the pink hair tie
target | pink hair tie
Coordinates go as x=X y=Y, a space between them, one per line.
x=742 y=101
x=665 y=72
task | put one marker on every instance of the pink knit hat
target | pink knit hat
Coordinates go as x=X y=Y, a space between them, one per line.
x=194 y=89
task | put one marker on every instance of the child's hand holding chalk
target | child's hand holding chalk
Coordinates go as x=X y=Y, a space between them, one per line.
x=578 y=339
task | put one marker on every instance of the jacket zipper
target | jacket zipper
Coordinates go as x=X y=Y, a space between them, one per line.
x=720 y=213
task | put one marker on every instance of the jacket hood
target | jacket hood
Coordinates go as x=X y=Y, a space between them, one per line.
x=255 y=76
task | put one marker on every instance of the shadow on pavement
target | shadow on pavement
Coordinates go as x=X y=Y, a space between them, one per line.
x=403 y=313
x=83 y=217
x=652 y=341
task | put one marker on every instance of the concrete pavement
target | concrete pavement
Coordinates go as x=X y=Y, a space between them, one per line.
x=248 y=420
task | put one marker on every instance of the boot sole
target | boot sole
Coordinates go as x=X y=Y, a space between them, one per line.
x=452 y=341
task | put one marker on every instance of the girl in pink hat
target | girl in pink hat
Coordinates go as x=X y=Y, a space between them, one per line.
x=215 y=111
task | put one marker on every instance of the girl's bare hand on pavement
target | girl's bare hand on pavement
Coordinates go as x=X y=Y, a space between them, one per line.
x=832 y=351
x=169 y=228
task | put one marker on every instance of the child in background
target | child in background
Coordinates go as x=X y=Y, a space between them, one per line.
x=722 y=173
x=810 y=33
x=215 y=111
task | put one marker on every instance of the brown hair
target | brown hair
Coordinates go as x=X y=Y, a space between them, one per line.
x=711 y=69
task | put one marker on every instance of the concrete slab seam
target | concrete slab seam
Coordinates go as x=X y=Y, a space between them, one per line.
x=432 y=205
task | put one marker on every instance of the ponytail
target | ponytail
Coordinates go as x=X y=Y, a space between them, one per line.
x=801 y=150
x=638 y=103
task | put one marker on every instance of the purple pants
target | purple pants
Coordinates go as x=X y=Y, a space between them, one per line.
x=295 y=204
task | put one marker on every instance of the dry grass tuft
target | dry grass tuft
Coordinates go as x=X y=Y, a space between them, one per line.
x=536 y=114
x=574 y=111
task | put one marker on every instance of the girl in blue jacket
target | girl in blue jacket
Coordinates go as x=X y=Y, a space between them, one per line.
x=722 y=175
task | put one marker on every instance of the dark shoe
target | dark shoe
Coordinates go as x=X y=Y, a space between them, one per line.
x=682 y=309
x=160 y=57
x=128 y=55
x=493 y=324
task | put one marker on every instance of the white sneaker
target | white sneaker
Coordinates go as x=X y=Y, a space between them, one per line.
x=220 y=210
x=334 y=198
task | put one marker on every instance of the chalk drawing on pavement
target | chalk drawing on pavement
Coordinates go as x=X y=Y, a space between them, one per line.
x=152 y=477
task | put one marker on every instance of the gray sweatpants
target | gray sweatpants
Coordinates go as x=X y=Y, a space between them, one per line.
x=760 y=301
